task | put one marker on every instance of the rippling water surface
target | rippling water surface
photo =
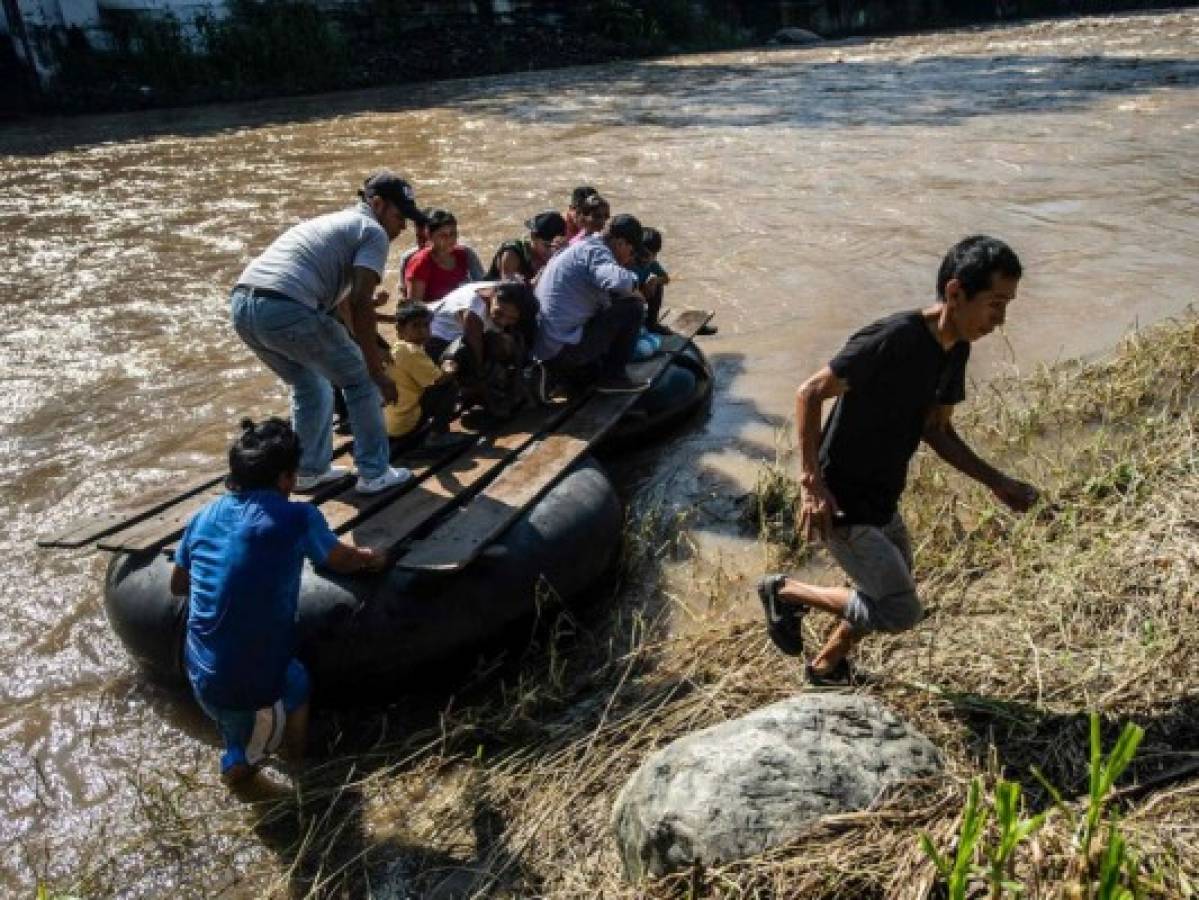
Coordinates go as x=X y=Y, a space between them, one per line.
x=801 y=193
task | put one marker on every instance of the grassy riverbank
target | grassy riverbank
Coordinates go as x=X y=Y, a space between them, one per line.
x=1088 y=604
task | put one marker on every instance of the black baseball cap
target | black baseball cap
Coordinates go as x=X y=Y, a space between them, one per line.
x=547 y=225
x=627 y=227
x=394 y=189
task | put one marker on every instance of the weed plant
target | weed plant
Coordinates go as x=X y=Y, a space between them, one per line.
x=1089 y=603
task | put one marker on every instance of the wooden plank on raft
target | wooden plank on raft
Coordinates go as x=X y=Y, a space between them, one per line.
x=341 y=503
x=458 y=541
x=456 y=482
x=85 y=531
x=147 y=532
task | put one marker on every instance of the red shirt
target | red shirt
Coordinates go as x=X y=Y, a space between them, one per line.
x=438 y=281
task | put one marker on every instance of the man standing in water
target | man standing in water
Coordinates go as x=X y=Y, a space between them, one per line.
x=283 y=308
x=896 y=382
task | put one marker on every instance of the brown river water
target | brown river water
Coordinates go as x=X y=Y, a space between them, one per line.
x=801 y=193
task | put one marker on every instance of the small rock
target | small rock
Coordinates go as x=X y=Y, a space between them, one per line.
x=741 y=787
x=796 y=36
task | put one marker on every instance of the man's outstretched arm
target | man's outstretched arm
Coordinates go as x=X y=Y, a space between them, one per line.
x=940 y=434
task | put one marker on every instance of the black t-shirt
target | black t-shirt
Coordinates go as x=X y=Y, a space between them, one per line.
x=896 y=371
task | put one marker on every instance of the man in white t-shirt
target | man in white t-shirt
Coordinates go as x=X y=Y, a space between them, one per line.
x=283 y=308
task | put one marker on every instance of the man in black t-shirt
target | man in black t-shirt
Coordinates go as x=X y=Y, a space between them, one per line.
x=896 y=383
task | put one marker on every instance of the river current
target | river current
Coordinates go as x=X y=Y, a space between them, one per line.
x=801 y=192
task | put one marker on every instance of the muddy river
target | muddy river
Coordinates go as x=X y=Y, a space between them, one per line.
x=801 y=193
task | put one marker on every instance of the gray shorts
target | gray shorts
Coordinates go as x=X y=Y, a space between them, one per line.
x=879 y=563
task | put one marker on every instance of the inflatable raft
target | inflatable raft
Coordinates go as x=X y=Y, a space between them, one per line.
x=479 y=541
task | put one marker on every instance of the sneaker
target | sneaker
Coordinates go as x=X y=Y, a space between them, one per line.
x=783 y=620
x=620 y=384
x=393 y=477
x=305 y=484
x=840 y=675
x=707 y=330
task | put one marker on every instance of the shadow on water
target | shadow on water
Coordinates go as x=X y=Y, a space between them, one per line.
x=931 y=90
x=928 y=90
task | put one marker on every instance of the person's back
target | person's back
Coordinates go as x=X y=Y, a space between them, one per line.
x=239 y=563
x=245 y=552
x=573 y=287
x=313 y=262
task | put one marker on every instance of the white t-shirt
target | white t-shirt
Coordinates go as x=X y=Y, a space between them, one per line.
x=314 y=262
x=450 y=310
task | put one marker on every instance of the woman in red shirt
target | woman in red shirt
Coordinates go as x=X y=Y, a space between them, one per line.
x=440 y=267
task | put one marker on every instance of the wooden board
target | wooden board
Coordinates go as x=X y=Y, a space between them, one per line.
x=84 y=531
x=457 y=542
x=162 y=527
x=455 y=482
x=341 y=503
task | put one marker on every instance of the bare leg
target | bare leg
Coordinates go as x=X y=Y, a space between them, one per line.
x=828 y=599
x=840 y=641
x=295 y=736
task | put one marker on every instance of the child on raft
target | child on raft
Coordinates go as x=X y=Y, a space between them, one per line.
x=577 y=196
x=428 y=391
x=239 y=564
x=592 y=215
x=486 y=328
x=442 y=264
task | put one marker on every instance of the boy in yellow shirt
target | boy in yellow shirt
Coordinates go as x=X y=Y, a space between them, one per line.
x=427 y=393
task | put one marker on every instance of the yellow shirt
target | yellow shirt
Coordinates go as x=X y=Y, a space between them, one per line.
x=412 y=371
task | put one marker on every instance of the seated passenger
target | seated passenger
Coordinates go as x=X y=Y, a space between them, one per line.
x=525 y=258
x=442 y=264
x=652 y=279
x=239 y=565
x=590 y=313
x=593 y=214
x=577 y=196
x=486 y=330
x=428 y=392
x=420 y=231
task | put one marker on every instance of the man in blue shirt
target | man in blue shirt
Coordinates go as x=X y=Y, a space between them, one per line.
x=590 y=313
x=239 y=563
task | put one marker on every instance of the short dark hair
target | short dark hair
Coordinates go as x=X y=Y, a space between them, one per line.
x=593 y=203
x=520 y=295
x=581 y=193
x=412 y=311
x=973 y=261
x=261 y=453
x=652 y=239
x=439 y=218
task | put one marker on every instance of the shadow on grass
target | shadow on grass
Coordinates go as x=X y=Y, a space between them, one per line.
x=1022 y=736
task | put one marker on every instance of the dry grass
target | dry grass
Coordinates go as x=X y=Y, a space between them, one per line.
x=1088 y=604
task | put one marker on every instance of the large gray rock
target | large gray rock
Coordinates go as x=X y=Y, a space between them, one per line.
x=738 y=788
x=796 y=36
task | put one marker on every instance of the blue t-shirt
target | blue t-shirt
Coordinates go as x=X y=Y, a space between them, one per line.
x=245 y=552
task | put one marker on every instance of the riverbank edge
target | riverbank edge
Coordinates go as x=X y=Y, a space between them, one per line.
x=157 y=63
x=1086 y=604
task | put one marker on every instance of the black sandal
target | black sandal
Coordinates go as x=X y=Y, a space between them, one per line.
x=842 y=674
x=784 y=621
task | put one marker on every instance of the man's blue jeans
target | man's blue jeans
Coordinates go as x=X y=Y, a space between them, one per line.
x=312 y=351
